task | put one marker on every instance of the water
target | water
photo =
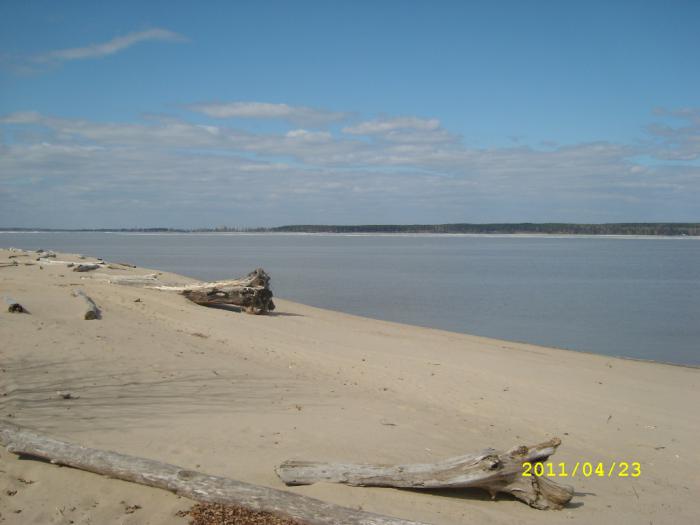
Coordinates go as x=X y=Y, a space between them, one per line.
x=631 y=297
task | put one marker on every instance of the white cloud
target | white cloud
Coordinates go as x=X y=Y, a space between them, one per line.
x=678 y=143
x=403 y=130
x=301 y=115
x=173 y=172
x=110 y=47
x=22 y=117
x=383 y=126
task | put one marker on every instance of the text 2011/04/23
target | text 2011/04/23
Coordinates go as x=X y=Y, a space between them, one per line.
x=621 y=469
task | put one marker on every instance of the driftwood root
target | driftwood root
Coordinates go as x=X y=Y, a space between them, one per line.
x=14 y=307
x=251 y=293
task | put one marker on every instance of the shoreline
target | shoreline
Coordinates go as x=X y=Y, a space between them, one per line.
x=235 y=395
x=378 y=234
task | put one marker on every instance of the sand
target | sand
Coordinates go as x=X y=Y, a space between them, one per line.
x=234 y=395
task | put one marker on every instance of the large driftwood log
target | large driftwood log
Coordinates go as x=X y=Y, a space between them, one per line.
x=188 y=483
x=252 y=292
x=92 y=312
x=14 y=306
x=489 y=470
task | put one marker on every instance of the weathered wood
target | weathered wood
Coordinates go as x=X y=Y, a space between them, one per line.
x=87 y=267
x=253 y=300
x=6 y=264
x=257 y=277
x=128 y=265
x=252 y=292
x=128 y=280
x=14 y=306
x=188 y=483
x=489 y=470
x=92 y=312
x=69 y=264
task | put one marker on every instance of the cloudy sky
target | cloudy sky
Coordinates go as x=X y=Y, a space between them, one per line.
x=180 y=114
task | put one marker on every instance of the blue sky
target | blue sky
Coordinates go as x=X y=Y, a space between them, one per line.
x=265 y=113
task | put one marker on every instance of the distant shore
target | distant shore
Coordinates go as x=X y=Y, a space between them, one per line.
x=666 y=229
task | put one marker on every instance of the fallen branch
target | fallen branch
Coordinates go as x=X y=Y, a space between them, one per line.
x=127 y=280
x=489 y=470
x=4 y=264
x=88 y=267
x=188 y=483
x=14 y=307
x=257 y=277
x=69 y=264
x=92 y=312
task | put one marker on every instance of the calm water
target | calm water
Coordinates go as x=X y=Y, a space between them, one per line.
x=633 y=297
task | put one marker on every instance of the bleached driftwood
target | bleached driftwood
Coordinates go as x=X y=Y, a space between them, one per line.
x=128 y=265
x=92 y=312
x=252 y=292
x=71 y=264
x=87 y=267
x=14 y=306
x=489 y=470
x=257 y=277
x=6 y=264
x=126 y=280
x=188 y=483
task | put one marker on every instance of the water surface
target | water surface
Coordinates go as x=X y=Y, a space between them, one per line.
x=631 y=297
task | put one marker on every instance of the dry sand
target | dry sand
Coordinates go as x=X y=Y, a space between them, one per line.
x=234 y=395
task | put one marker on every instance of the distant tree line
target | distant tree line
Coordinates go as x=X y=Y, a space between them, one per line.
x=634 y=228
x=562 y=228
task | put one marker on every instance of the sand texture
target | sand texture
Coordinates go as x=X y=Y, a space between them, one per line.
x=235 y=395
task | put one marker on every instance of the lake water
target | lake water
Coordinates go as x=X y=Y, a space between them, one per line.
x=631 y=297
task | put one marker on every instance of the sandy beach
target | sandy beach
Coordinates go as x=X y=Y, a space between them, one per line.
x=235 y=395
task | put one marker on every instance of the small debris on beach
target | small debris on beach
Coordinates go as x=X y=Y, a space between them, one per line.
x=215 y=514
x=130 y=509
x=66 y=395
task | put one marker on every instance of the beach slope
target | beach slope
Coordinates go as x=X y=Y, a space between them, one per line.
x=235 y=395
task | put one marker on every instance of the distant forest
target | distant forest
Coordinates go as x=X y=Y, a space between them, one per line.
x=632 y=228
x=507 y=228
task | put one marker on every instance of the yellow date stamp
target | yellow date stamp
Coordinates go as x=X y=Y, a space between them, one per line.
x=587 y=469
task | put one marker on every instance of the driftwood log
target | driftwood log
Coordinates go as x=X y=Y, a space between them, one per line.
x=87 y=267
x=188 y=483
x=92 y=312
x=489 y=470
x=252 y=293
x=14 y=306
x=148 y=280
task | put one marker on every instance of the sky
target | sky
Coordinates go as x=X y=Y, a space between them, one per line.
x=262 y=113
